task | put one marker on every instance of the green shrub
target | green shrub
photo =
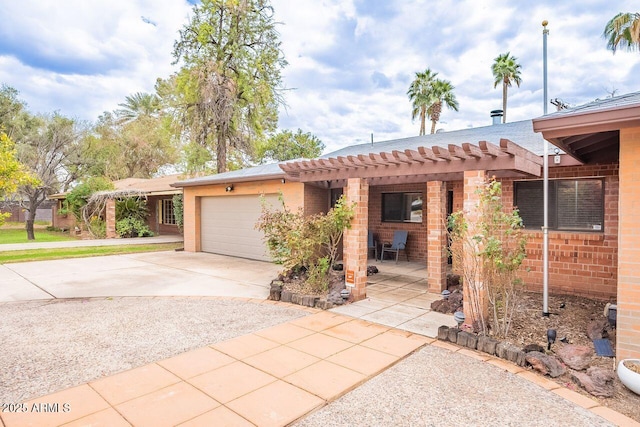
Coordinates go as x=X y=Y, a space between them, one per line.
x=98 y=228
x=310 y=243
x=178 y=210
x=132 y=227
x=52 y=228
x=77 y=198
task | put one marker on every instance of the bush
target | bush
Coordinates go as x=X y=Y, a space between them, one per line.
x=52 y=228
x=77 y=198
x=310 y=243
x=499 y=245
x=178 y=210
x=98 y=227
x=132 y=227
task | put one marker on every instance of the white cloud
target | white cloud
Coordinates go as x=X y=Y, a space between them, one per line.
x=350 y=62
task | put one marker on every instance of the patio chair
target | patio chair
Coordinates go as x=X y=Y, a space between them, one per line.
x=399 y=244
x=372 y=245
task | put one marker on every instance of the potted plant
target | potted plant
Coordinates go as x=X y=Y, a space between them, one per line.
x=629 y=374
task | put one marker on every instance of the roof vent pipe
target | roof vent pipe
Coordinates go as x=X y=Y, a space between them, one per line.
x=496 y=116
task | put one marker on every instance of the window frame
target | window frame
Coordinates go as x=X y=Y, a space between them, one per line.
x=404 y=218
x=167 y=210
x=555 y=204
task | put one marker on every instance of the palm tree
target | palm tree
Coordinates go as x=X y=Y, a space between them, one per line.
x=505 y=70
x=441 y=92
x=138 y=105
x=623 y=30
x=420 y=94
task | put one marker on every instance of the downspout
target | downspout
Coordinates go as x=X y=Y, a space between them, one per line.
x=545 y=186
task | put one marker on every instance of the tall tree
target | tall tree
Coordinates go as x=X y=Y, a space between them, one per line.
x=231 y=75
x=506 y=70
x=420 y=94
x=120 y=149
x=623 y=31
x=441 y=93
x=53 y=153
x=286 y=145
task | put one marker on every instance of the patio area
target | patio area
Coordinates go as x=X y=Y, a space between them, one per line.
x=397 y=297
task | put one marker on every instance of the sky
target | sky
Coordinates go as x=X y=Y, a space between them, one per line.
x=350 y=62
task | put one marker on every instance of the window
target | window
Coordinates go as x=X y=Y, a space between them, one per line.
x=167 y=216
x=402 y=207
x=574 y=204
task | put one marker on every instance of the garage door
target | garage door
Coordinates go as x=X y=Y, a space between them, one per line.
x=227 y=226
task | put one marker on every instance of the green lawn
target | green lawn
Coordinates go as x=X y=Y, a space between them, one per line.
x=19 y=235
x=46 y=254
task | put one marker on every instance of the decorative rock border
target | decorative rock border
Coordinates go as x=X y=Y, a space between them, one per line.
x=276 y=293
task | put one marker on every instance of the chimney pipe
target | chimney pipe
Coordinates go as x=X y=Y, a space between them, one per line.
x=496 y=116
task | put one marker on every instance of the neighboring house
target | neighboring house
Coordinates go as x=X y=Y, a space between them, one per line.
x=413 y=183
x=157 y=191
x=19 y=213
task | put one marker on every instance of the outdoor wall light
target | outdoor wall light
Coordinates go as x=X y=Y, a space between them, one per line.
x=229 y=188
x=283 y=180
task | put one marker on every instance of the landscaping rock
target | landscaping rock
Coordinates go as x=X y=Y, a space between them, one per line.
x=372 y=269
x=547 y=365
x=323 y=304
x=443 y=333
x=450 y=305
x=533 y=347
x=285 y=295
x=487 y=344
x=598 y=329
x=296 y=299
x=576 y=357
x=275 y=291
x=453 y=335
x=467 y=339
x=597 y=380
x=508 y=351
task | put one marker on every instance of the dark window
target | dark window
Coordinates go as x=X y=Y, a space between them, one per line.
x=574 y=204
x=402 y=207
x=167 y=212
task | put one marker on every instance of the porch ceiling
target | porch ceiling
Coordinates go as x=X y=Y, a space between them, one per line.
x=420 y=165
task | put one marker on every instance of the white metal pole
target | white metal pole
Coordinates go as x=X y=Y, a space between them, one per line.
x=545 y=185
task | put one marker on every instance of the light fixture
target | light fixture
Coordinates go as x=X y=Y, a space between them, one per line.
x=459 y=317
x=556 y=150
x=345 y=294
x=229 y=188
x=283 y=180
x=551 y=337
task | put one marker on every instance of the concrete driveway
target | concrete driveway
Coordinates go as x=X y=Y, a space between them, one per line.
x=146 y=274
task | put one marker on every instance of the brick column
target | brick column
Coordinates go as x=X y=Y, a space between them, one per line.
x=355 y=238
x=628 y=327
x=473 y=180
x=436 y=236
x=111 y=218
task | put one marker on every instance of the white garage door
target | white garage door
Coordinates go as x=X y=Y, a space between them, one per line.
x=227 y=226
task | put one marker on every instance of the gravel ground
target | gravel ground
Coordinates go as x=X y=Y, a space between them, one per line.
x=434 y=387
x=51 y=345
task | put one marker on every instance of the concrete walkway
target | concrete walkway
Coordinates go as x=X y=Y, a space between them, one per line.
x=284 y=373
x=88 y=243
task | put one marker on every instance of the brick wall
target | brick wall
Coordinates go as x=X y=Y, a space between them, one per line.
x=628 y=331
x=580 y=263
x=417 y=239
x=316 y=199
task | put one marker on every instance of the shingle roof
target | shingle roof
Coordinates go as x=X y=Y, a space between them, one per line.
x=271 y=170
x=600 y=105
x=519 y=132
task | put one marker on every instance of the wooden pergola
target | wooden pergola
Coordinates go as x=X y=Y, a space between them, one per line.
x=418 y=165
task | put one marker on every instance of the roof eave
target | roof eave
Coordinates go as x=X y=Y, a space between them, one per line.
x=580 y=123
x=212 y=181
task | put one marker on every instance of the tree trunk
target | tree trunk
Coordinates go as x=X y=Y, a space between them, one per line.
x=221 y=154
x=423 y=115
x=504 y=102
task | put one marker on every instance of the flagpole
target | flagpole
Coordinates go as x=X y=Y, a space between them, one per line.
x=545 y=186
